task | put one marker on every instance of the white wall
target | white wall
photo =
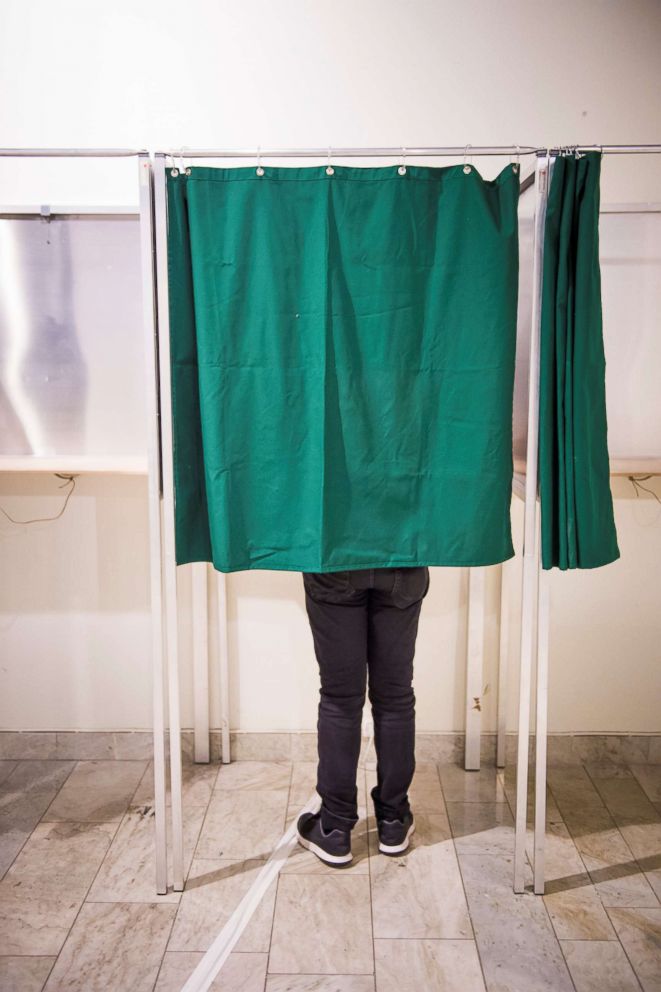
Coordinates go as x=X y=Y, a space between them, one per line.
x=75 y=626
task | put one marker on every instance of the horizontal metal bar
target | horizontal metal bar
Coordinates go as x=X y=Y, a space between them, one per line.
x=70 y=152
x=606 y=149
x=64 y=210
x=630 y=208
x=450 y=151
x=336 y=153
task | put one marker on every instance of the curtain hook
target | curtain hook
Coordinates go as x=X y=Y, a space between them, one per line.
x=259 y=170
x=174 y=171
x=402 y=167
x=547 y=162
x=329 y=168
x=516 y=165
x=467 y=167
x=184 y=170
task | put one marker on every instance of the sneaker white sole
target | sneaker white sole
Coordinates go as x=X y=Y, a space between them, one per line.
x=397 y=848
x=330 y=859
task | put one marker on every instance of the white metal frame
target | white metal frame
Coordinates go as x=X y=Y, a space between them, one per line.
x=535 y=587
x=535 y=582
x=169 y=556
x=531 y=563
x=146 y=187
x=127 y=465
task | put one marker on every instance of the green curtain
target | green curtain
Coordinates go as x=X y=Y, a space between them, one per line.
x=577 y=524
x=342 y=365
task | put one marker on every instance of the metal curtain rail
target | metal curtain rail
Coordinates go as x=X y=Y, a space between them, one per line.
x=453 y=151
x=71 y=152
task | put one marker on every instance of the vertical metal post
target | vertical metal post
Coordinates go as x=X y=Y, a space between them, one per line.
x=474 y=666
x=530 y=560
x=146 y=194
x=541 y=711
x=169 y=563
x=505 y=602
x=223 y=666
x=200 y=661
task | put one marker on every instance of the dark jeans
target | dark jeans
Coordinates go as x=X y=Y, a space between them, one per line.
x=365 y=622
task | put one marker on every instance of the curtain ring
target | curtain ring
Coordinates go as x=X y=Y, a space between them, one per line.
x=402 y=167
x=516 y=165
x=259 y=170
x=467 y=167
x=329 y=168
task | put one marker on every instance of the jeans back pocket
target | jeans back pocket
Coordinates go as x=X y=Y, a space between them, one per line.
x=328 y=587
x=411 y=585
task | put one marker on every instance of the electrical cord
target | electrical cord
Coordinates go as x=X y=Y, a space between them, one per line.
x=636 y=485
x=69 y=479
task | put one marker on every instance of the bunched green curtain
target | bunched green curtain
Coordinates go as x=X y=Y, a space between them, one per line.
x=342 y=352
x=577 y=524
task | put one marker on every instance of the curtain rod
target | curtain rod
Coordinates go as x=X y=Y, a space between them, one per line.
x=453 y=151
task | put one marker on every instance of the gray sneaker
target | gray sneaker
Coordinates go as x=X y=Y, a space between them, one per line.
x=394 y=834
x=332 y=847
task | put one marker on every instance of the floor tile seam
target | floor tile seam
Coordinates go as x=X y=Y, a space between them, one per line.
x=83 y=903
x=576 y=847
x=277 y=881
x=603 y=798
x=616 y=827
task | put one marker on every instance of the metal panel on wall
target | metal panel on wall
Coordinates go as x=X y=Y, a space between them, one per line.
x=71 y=336
x=630 y=259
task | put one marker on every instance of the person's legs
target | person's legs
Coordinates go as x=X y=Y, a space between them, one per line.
x=338 y=619
x=393 y=616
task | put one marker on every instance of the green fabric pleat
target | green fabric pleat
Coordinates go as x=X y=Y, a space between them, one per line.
x=343 y=353
x=577 y=523
x=192 y=534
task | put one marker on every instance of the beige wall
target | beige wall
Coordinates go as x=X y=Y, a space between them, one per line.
x=75 y=626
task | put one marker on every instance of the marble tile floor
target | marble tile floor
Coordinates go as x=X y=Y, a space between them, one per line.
x=78 y=909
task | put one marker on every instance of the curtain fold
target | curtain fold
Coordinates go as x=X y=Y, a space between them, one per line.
x=343 y=354
x=577 y=522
